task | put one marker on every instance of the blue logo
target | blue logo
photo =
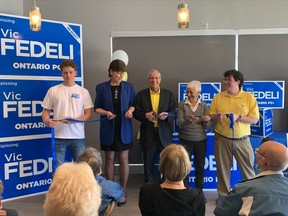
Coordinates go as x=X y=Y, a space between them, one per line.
x=76 y=96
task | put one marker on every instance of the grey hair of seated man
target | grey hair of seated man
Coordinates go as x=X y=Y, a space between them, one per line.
x=73 y=192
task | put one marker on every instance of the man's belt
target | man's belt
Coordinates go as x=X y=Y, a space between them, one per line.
x=241 y=138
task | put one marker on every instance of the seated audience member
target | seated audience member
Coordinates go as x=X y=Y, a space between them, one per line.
x=264 y=194
x=171 y=197
x=111 y=191
x=4 y=211
x=73 y=192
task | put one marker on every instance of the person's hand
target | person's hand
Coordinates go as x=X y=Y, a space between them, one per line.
x=235 y=117
x=65 y=121
x=206 y=118
x=50 y=123
x=163 y=115
x=193 y=119
x=217 y=117
x=128 y=114
x=151 y=116
x=110 y=115
x=3 y=213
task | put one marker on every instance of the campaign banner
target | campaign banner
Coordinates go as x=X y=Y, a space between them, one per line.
x=209 y=90
x=24 y=171
x=264 y=127
x=38 y=53
x=20 y=106
x=210 y=175
x=29 y=66
x=269 y=94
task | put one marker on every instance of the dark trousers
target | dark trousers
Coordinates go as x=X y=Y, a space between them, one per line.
x=198 y=148
x=150 y=153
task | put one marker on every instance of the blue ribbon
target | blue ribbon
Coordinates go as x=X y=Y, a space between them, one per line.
x=53 y=147
x=231 y=117
x=175 y=115
x=84 y=121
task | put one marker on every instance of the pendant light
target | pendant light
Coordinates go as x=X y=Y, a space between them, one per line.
x=183 y=15
x=35 y=18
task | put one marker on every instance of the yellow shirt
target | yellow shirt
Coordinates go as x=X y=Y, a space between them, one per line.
x=155 y=98
x=243 y=104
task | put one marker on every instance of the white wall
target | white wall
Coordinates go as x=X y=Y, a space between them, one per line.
x=14 y=7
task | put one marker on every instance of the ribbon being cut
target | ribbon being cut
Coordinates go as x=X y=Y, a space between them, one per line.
x=68 y=120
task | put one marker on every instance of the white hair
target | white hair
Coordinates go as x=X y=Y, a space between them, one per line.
x=73 y=192
x=194 y=85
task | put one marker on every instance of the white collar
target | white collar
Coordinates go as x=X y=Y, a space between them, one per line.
x=268 y=172
x=188 y=102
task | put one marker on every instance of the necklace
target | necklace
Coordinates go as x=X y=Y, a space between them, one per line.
x=116 y=91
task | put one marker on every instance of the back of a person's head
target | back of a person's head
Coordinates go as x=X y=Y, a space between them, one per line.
x=276 y=155
x=73 y=192
x=93 y=157
x=174 y=162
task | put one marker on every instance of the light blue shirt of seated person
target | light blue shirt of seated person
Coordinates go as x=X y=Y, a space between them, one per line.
x=111 y=191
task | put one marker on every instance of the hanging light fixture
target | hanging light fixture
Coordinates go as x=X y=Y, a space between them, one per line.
x=35 y=18
x=183 y=15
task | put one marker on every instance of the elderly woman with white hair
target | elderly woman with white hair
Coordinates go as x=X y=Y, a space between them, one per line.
x=193 y=120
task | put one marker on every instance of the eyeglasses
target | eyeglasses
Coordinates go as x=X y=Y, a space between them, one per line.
x=257 y=151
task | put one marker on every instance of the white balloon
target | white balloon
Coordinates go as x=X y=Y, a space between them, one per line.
x=121 y=55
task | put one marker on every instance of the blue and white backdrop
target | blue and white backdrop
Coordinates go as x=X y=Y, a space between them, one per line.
x=29 y=65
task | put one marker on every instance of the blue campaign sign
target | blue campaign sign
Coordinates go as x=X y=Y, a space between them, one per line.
x=264 y=127
x=20 y=106
x=29 y=53
x=29 y=66
x=209 y=90
x=210 y=175
x=269 y=94
x=24 y=171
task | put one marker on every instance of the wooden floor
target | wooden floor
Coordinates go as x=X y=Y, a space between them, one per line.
x=32 y=206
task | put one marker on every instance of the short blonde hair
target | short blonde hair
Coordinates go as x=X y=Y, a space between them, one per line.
x=73 y=192
x=175 y=164
x=194 y=85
